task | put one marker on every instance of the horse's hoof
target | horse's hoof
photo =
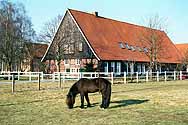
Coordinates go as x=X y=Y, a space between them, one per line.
x=81 y=107
x=101 y=106
x=89 y=105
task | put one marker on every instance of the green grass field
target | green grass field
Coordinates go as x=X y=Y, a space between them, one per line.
x=132 y=104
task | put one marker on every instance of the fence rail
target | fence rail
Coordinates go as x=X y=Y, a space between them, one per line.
x=61 y=77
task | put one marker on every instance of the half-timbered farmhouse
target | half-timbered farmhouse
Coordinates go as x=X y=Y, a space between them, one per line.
x=111 y=45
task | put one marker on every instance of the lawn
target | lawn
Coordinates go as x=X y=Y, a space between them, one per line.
x=133 y=104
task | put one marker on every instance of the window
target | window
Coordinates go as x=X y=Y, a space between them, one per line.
x=66 y=61
x=66 y=50
x=132 y=68
x=78 y=70
x=80 y=47
x=71 y=48
x=139 y=69
x=118 y=68
x=112 y=66
x=67 y=70
x=74 y=70
x=132 y=48
x=121 y=45
x=143 y=68
x=127 y=46
x=146 y=50
x=106 y=67
x=77 y=61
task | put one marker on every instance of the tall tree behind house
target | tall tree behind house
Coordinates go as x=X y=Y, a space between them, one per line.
x=153 y=36
x=15 y=30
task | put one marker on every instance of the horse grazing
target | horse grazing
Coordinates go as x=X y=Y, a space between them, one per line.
x=85 y=86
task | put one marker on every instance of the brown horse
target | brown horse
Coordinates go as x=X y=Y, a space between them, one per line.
x=85 y=86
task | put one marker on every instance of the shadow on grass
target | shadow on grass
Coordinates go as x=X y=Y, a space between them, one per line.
x=85 y=106
x=128 y=102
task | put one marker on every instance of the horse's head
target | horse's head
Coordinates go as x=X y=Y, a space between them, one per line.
x=70 y=100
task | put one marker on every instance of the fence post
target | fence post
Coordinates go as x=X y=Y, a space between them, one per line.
x=174 y=75
x=42 y=76
x=157 y=76
x=59 y=80
x=112 y=77
x=18 y=75
x=165 y=76
x=59 y=75
x=147 y=76
x=30 y=76
x=9 y=75
x=137 y=77
x=125 y=78
x=54 y=77
x=180 y=75
x=39 y=81
x=64 y=77
x=13 y=84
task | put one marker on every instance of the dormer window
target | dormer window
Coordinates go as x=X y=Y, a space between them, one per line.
x=132 y=48
x=127 y=46
x=121 y=45
x=146 y=50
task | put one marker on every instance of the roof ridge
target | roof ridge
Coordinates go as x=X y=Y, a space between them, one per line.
x=116 y=20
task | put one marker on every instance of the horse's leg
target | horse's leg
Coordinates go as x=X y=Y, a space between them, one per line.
x=82 y=100
x=87 y=99
x=103 y=99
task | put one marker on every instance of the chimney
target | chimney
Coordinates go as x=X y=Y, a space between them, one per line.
x=95 y=14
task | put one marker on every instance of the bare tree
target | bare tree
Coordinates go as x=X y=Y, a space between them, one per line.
x=15 y=31
x=49 y=29
x=48 y=34
x=152 y=38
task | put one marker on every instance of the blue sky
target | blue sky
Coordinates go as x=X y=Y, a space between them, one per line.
x=175 y=12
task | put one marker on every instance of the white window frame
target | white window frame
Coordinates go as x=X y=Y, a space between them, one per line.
x=132 y=68
x=113 y=66
x=118 y=68
x=144 y=68
x=106 y=67
x=139 y=68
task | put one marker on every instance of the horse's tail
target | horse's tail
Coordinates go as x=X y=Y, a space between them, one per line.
x=108 y=94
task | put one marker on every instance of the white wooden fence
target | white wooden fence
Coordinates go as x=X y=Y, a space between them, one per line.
x=124 y=77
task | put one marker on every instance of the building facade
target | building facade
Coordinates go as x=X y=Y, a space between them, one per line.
x=109 y=45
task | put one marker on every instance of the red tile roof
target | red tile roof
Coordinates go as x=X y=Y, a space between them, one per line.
x=39 y=49
x=183 y=48
x=104 y=35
